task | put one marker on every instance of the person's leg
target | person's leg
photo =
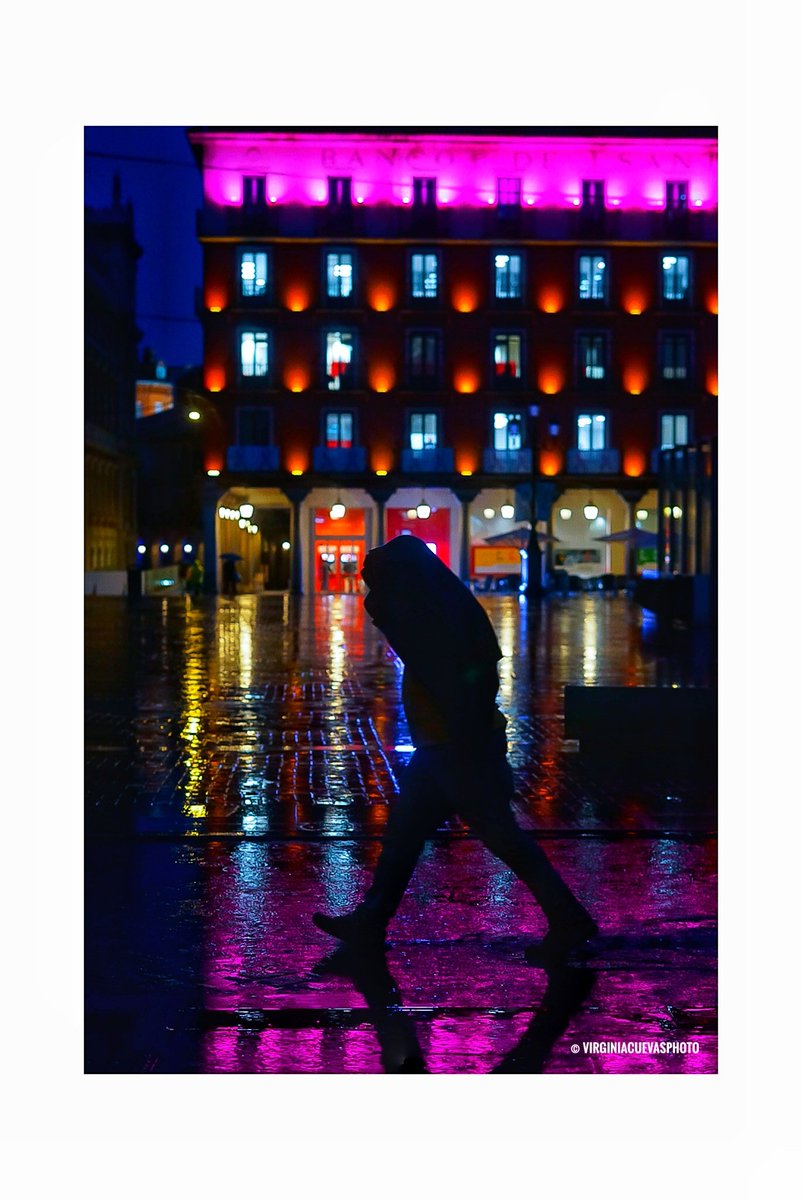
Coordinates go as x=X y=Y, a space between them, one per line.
x=486 y=788
x=414 y=817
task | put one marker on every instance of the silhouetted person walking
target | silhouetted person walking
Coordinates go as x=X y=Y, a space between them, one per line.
x=450 y=654
x=230 y=577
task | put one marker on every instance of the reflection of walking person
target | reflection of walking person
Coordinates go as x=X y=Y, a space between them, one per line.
x=450 y=654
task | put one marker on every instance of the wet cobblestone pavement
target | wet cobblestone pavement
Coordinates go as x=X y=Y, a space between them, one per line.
x=240 y=759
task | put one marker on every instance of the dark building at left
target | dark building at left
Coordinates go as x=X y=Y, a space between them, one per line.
x=111 y=337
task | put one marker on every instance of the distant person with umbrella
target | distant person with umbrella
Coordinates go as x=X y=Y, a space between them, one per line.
x=230 y=574
x=450 y=654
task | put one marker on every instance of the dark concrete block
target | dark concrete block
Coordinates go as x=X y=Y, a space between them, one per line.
x=642 y=719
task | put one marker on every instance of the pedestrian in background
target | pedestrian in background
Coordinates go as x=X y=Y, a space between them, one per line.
x=230 y=577
x=195 y=578
x=450 y=654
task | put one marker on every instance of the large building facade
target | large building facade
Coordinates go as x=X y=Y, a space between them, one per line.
x=111 y=337
x=454 y=333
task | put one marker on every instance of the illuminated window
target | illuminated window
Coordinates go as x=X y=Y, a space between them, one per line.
x=591 y=431
x=424 y=273
x=592 y=349
x=423 y=357
x=676 y=276
x=253 y=426
x=253 y=272
x=593 y=194
x=253 y=354
x=339 y=356
x=673 y=430
x=676 y=196
x=507 y=431
x=339 y=275
x=509 y=193
x=339 y=430
x=592 y=277
x=675 y=356
x=424 y=193
x=423 y=431
x=253 y=190
x=507 y=269
x=507 y=356
x=339 y=191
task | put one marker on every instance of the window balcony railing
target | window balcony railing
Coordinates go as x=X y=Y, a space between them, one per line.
x=252 y=458
x=513 y=462
x=437 y=459
x=339 y=458
x=593 y=462
x=292 y=220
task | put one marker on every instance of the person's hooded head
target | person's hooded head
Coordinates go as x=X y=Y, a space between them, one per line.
x=422 y=607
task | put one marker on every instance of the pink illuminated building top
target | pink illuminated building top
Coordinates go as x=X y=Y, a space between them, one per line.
x=296 y=167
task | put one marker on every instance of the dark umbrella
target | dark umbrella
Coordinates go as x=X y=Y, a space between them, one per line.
x=638 y=537
x=518 y=537
x=232 y=557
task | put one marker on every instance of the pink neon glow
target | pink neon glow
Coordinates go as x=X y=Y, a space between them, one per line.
x=296 y=167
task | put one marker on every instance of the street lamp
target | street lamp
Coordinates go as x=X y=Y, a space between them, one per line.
x=246 y=510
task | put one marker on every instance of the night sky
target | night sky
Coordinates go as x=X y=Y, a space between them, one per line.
x=165 y=196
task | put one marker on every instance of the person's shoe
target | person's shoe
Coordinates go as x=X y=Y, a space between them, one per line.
x=353 y=927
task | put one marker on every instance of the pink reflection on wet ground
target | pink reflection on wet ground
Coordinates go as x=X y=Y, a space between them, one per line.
x=456 y=956
x=241 y=757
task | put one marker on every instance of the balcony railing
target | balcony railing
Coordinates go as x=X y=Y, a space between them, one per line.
x=438 y=459
x=293 y=220
x=503 y=462
x=339 y=458
x=252 y=458
x=593 y=462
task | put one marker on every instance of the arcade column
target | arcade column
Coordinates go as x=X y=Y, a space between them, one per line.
x=632 y=498
x=543 y=493
x=380 y=496
x=212 y=494
x=466 y=497
x=296 y=497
